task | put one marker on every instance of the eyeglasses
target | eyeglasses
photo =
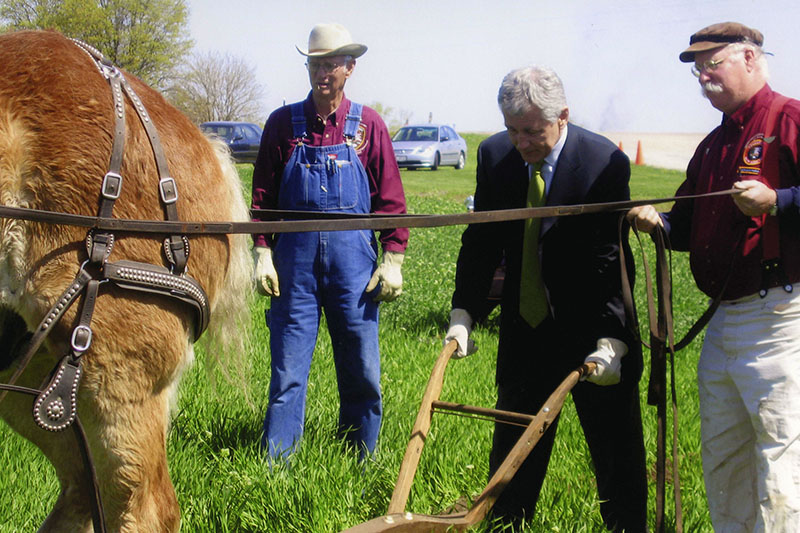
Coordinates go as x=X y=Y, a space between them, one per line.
x=326 y=66
x=709 y=66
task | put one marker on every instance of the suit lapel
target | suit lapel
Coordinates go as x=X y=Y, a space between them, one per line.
x=518 y=176
x=565 y=178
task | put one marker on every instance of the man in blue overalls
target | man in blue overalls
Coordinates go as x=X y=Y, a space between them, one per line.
x=327 y=154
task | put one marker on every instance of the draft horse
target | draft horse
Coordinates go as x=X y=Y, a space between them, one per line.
x=58 y=116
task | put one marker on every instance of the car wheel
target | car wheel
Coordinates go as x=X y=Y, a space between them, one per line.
x=461 y=161
x=436 y=159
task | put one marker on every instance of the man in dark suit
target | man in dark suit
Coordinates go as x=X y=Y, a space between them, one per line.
x=562 y=300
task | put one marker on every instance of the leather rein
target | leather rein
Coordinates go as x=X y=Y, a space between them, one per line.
x=287 y=221
x=662 y=346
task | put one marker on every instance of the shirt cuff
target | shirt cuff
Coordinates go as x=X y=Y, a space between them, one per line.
x=784 y=199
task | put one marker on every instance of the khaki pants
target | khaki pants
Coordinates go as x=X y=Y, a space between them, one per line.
x=749 y=386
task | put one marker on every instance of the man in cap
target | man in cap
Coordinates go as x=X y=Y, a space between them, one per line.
x=562 y=296
x=329 y=154
x=745 y=252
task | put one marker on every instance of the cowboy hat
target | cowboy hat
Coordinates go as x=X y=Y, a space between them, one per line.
x=331 y=39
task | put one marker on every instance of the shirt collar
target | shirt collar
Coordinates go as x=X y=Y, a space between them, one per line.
x=742 y=115
x=337 y=117
x=551 y=159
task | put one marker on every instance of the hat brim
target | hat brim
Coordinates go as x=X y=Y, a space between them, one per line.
x=687 y=56
x=354 y=49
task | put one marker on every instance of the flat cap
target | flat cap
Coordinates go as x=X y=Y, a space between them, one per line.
x=719 y=35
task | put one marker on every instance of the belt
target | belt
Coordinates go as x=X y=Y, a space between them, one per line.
x=758 y=296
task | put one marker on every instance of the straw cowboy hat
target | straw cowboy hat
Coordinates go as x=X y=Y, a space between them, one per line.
x=331 y=39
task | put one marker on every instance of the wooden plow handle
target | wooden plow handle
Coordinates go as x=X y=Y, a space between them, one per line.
x=397 y=520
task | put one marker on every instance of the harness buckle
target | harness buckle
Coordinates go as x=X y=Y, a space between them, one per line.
x=109 y=70
x=81 y=338
x=169 y=190
x=112 y=185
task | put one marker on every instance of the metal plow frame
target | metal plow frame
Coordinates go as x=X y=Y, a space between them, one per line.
x=398 y=520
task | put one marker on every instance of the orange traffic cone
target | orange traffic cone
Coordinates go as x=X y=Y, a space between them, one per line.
x=639 y=156
x=620 y=147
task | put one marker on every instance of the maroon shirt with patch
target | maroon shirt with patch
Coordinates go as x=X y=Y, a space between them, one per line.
x=719 y=237
x=373 y=146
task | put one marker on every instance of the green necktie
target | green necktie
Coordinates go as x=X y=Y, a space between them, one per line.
x=532 y=297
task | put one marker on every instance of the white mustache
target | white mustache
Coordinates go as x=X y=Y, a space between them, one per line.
x=711 y=88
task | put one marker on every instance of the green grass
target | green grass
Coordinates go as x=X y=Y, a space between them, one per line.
x=225 y=485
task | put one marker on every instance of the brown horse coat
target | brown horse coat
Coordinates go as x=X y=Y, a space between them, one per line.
x=56 y=119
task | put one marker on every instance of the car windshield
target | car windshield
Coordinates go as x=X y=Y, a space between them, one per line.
x=219 y=131
x=423 y=133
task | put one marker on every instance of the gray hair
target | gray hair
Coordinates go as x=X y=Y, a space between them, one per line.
x=760 y=56
x=534 y=86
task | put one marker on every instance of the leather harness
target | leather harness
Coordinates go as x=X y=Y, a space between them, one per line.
x=55 y=406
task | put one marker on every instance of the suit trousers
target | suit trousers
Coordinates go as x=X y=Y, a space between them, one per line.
x=531 y=363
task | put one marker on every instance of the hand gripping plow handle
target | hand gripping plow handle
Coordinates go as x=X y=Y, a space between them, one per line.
x=398 y=520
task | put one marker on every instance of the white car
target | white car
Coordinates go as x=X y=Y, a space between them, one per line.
x=429 y=146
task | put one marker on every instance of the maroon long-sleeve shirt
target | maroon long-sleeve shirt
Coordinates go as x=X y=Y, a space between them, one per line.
x=719 y=237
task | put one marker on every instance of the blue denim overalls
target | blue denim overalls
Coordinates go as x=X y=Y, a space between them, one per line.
x=330 y=270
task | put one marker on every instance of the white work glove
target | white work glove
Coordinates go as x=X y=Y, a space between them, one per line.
x=460 y=328
x=608 y=357
x=266 y=277
x=389 y=276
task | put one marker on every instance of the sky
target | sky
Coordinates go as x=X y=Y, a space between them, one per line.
x=445 y=59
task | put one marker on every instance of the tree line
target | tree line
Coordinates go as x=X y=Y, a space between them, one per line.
x=148 y=38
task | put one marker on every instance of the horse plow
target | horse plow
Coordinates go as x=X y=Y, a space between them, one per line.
x=397 y=519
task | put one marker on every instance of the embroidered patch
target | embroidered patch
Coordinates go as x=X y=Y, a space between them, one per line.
x=361 y=137
x=749 y=171
x=753 y=150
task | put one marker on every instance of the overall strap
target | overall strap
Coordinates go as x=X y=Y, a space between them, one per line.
x=352 y=121
x=298 y=120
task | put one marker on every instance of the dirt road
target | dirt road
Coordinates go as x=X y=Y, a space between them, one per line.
x=663 y=150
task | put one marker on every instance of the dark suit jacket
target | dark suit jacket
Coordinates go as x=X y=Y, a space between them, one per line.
x=579 y=254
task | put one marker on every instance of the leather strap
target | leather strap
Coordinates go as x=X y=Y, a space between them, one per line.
x=156 y=279
x=98 y=520
x=294 y=221
x=175 y=246
x=63 y=303
x=661 y=343
x=660 y=325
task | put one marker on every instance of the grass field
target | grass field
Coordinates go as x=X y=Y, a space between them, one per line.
x=225 y=485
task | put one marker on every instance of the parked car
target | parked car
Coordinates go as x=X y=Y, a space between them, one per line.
x=429 y=146
x=243 y=138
